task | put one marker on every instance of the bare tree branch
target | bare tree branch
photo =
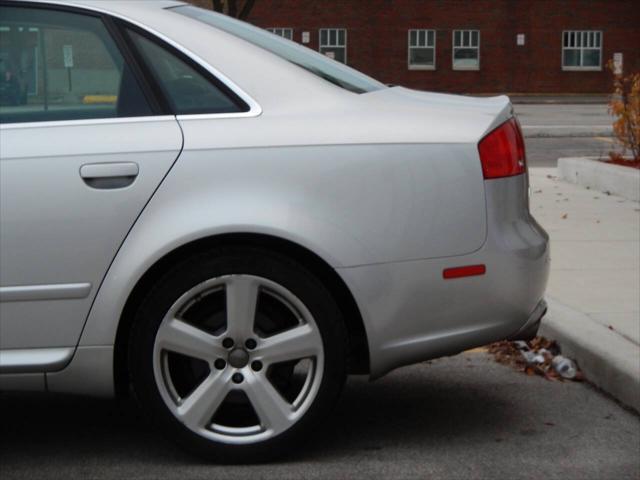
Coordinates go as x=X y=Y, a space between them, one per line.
x=232 y=8
x=246 y=9
x=218 y=6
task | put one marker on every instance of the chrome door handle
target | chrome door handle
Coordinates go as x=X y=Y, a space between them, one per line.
x=109 y=175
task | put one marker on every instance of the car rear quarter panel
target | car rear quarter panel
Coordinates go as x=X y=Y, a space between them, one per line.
x=350 y=204
x=413 y=314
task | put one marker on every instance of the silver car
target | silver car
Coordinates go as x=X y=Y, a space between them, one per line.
x=226 y=223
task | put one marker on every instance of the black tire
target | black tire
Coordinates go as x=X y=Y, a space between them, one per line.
x=216 y=263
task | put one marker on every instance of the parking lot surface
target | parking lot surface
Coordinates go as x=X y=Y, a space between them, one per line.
x=545 y=151
x=459 y=417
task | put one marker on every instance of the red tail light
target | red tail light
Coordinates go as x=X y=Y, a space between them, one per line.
x=502 y=151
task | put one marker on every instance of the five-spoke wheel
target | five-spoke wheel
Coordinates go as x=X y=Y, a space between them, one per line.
x=241 y=354
x=235 y=336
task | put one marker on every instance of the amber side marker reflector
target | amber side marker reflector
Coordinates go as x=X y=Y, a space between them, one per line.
x=467 y=271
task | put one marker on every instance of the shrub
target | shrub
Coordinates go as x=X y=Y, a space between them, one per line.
x=625 y=107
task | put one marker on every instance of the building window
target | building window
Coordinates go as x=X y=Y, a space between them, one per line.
x=422 y=49
x=333 y=43
x=282 y=32
x=582 y=50
x=466 y=49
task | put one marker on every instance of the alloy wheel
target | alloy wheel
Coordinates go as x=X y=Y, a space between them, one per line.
x=238 y=359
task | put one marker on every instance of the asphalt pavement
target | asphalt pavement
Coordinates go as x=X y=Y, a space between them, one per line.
x=564 y=115
x=462 y=417
x=554 y=131
x=581 y=120
x=545 y=151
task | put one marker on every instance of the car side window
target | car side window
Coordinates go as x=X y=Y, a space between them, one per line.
x=59 y=65
x=187 y=90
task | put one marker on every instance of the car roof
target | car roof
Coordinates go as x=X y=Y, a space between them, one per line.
x=122 y=7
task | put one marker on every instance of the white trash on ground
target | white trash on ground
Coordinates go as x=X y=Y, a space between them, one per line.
x=564 y=366
x=539 y=356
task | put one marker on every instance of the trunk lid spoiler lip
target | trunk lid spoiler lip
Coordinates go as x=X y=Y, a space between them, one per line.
x=490 y=111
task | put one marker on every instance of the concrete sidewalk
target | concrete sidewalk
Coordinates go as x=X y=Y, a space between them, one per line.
x=594 y=288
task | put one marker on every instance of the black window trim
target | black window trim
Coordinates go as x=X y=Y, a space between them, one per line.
x=123 y=26
x=151 y=88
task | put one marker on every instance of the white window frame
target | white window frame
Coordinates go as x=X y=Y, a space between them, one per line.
x=573 y=38
x=333 y=45
x=426 y=45
x=283 y=32
x=454 y=47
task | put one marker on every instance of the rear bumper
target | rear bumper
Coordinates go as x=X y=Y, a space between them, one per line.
x=412 y=314
x=530 y=329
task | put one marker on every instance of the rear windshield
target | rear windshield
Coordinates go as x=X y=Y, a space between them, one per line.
x=314 y=62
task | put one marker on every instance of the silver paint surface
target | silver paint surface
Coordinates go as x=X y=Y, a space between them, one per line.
x=384 y=187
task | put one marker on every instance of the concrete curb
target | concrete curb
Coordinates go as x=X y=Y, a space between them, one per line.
x=588 y=172
x=608 y=360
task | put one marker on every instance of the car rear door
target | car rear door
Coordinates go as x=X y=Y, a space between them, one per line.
x=82 y=150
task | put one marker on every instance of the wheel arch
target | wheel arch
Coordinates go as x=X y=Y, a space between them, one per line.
x=358 y=359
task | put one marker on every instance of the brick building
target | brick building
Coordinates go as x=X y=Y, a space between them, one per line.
x=475 y=46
